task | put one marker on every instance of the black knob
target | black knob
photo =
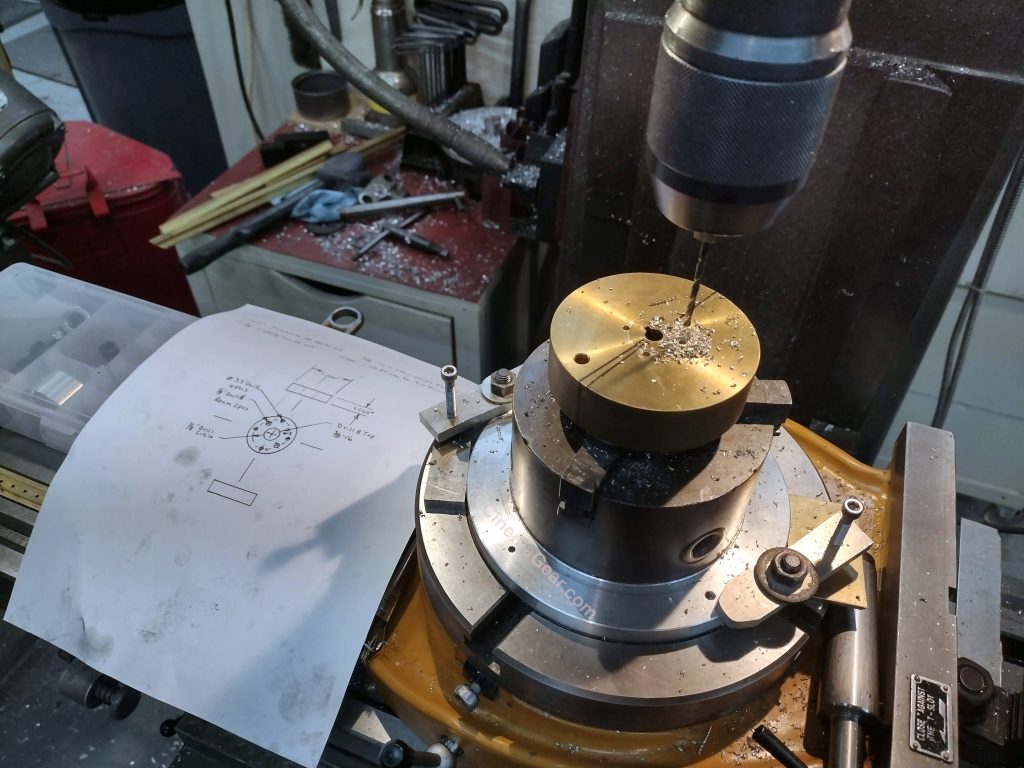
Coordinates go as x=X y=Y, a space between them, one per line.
x=975 y=689
x=398 y=754
x=169 y=727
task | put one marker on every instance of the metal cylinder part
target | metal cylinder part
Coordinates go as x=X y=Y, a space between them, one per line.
x=625 y=515
x=321 y=95
x=741 y=96
x=846 y=743
x=849 y=685
x=388 y=21
x=440 y=67
x=627 y=369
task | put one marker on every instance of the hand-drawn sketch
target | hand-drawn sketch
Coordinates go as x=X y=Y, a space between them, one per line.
x=271 y=434
x=321 y=394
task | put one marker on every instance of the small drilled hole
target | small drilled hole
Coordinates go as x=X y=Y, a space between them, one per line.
x=653 y=334
x=511 y=549
x=582 y=358
x=625 y=327
x=710 y=595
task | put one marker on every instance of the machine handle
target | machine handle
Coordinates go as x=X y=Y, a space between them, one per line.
x=764 y=736
x=201 y=257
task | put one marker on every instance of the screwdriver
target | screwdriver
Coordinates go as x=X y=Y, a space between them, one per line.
x=698 y=277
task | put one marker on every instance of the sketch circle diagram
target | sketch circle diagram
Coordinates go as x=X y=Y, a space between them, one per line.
x=271 y=434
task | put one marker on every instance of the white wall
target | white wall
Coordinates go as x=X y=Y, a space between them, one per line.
x=987 y=415
x=269 y=68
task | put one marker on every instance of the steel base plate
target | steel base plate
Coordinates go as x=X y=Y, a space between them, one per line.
x=628 y=686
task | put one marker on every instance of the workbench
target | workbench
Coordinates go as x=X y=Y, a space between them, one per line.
x=468 y=309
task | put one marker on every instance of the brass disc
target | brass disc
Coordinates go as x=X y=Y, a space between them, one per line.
x=625 y=368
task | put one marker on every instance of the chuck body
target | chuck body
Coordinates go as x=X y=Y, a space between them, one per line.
x=741 y=96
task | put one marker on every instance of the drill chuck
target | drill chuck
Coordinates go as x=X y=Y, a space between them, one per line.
x=741 y=96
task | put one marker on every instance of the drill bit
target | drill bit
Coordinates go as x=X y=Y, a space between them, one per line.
x=698 y=277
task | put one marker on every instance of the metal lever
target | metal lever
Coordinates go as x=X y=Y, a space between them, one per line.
x=399 y=204
x=792 y=574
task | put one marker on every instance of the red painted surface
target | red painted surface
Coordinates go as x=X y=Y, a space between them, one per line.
x=478 y=251
x=112 y=195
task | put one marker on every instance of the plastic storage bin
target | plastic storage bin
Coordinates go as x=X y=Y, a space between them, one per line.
x=65 y=346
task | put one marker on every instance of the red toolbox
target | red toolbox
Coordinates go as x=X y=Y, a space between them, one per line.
x=112 y=195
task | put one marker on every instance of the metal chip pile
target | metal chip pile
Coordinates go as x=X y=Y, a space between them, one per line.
x=680 y=342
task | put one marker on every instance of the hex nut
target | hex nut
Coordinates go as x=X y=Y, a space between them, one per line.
x=467 y=697
x=502 y=382
x=789 y=567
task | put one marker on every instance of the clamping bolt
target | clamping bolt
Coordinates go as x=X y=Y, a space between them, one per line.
x=449 y=374
x=852 y=510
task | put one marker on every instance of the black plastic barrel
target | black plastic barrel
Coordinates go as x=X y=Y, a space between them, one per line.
x=139 y=74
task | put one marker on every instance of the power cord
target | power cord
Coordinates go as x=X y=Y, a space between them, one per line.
x=956 y=351
x=238 y=69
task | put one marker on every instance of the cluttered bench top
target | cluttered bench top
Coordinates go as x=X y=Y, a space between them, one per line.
x=476 y=248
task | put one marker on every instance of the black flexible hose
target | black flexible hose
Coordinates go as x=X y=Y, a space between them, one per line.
x=474 y=149
x=956 y=351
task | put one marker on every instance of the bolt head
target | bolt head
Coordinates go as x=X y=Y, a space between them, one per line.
x=788 y=566
x=449 y=373
x=467 y=697
x=852 y=509
x=502 y=382
x=971 y=679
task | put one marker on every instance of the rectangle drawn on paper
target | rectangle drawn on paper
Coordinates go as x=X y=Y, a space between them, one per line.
x=298 y=389
x=233 y=492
